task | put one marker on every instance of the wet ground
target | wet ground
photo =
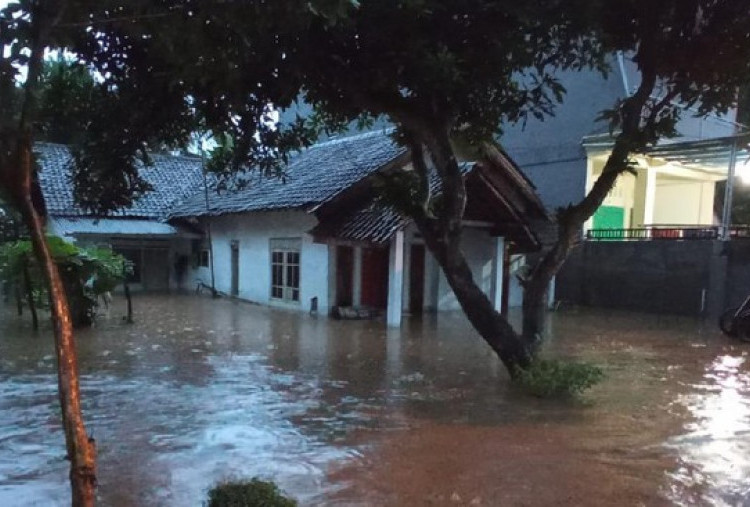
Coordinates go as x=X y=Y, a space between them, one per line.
x=346 y=413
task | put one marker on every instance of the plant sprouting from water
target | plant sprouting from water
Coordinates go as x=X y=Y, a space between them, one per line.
x=554 y=378
x=252 y=493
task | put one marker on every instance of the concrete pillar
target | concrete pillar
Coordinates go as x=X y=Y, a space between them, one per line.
x=551 y=294
x=497 y=274
x=714 y=297
x=396 y=280
x=357 y=277
x=650 y=198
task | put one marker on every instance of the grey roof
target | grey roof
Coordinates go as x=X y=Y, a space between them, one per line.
x=172 y=178
x=313 y=177
x=374 y=223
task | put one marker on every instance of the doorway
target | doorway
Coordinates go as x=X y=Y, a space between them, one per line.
x=344 y=276
x=375 y=277
x=416 y=280
x=235 y=245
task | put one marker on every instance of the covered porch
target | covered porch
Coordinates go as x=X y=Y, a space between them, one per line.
x=672 y=192
x=379 y=261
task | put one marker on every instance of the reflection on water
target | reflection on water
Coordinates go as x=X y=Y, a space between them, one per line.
x=351 y=413
x=715 y=447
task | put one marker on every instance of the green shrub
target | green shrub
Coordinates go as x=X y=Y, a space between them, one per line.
x=252 y=493
x=552 y=378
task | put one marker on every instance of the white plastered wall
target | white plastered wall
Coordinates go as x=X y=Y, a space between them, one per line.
x=253 y=232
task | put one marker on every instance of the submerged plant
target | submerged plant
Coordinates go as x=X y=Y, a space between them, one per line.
x=554 y=378
x=252 y=493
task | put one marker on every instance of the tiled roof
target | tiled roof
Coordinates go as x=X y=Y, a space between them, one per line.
x=313 y=177
x=172 y=178
x=374 y=223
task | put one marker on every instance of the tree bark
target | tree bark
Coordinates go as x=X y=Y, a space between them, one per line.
x=442 y=235
x=128 y=299
x=19 y=301
x=30 y=294
x=81 y=450
x=570 y=220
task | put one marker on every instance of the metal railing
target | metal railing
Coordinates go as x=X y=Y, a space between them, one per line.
x=666 y=232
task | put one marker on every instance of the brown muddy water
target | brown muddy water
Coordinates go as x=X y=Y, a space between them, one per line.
x=347 y=413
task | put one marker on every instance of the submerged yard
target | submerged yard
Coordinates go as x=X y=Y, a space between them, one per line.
x=349 y=413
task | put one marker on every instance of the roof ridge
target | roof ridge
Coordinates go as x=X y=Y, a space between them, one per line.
x=192 y=158
x=355 y=137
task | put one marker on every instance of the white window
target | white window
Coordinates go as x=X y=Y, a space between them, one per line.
x=285 y=272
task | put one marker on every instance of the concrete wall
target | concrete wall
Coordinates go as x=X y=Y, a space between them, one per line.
x=666 y=276
x=253 y=232
x=671 y=277
x=738 y=272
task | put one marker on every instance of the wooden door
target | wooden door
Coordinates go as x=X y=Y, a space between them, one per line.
x=375 y=277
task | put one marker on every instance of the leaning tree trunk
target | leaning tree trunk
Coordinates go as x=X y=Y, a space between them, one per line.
x=570 y=225
x=512 y=350
x=81 y=450
x=637 y=114
x=442 y=235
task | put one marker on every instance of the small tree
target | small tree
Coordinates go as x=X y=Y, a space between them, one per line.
x=87 y=273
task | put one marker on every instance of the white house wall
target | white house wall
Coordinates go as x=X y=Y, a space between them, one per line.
x=684 y=202
x=479 y=248
x=253 y=232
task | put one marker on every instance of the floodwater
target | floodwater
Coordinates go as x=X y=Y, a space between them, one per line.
x=347 y=413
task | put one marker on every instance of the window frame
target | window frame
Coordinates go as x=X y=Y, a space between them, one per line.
x=285 y=255
x=204 y=253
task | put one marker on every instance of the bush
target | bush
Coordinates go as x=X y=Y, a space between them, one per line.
x=252 y=493
x=552 y=378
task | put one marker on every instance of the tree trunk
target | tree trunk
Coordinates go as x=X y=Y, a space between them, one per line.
x=81 y=450
x=637 y=114
x=19 y=301
x=442 y=235
x=30 y=294
x=534 y=309
x=512 y=350
x=128 y=299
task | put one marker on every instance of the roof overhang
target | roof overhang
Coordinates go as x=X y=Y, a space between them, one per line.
x=706 y=155
x=139 y=227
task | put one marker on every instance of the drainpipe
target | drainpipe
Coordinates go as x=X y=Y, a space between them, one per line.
x=726 y=217
x=208 y=224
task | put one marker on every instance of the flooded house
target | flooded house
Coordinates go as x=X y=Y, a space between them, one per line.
x=321 y=239
x=160 y=253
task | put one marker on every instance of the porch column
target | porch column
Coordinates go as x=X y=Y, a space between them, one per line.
x=498 y=259
x=332 y=266
x=726 y=215
x=357 y=277
x=396 y=280
x=650 y=197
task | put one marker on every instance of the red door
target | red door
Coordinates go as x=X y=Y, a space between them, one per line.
x=375 y=277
